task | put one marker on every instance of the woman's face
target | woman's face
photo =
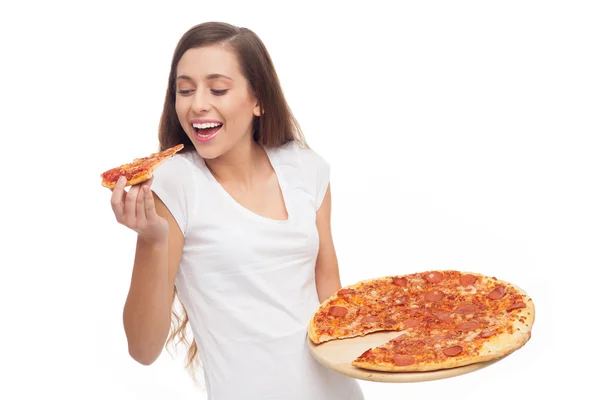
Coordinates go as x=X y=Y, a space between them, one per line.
x=213 y=103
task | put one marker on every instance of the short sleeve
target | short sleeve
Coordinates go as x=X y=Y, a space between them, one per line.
x=316 y=174
x=174 y=184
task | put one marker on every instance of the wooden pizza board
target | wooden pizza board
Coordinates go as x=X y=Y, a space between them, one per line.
x=339 y=354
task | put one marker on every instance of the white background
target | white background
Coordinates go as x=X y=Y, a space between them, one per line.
x=461 y=135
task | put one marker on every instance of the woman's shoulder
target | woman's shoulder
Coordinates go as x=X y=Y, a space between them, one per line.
x=304 y=155
x=182 y=162
x=185 y=157
x=181 y=168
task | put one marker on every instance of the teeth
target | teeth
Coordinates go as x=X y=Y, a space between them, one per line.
x=206 y=125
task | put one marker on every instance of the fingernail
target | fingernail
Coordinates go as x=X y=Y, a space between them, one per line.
x=121 y=179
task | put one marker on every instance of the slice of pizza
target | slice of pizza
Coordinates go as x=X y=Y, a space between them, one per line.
x=412 y=351
x=139 y=170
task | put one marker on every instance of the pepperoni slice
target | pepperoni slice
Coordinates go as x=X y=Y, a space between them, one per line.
x=399 y=338
x=345 y=291
x=370 y=318
x=434 y=295
x=514 y=306
x=497 y=293
x=411 y=322
x=365 y=354
x=402 y=360
x=444 y=316
x=467 y=279
x=487 y=334
x=452 y=351
x=400 y=282
x=465 y=309
x=413 y=311
x=337 y=311
x=434 y=276
x=467 y=326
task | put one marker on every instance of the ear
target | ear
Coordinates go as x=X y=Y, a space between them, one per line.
x=258 y=110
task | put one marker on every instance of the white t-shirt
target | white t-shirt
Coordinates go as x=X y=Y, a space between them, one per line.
x=248 y=282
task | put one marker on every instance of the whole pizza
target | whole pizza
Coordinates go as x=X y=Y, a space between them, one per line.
x=444 y=319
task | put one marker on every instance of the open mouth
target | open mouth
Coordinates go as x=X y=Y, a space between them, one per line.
x=207 y=130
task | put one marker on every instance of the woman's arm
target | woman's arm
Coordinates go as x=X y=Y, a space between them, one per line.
x=147 y=310
x=327 y=273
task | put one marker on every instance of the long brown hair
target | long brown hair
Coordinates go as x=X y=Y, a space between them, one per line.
x=275 y=127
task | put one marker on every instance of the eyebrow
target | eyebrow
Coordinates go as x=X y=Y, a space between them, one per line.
x=208 y=77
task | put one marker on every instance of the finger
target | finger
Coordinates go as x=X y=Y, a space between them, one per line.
x=149 y=203
x=117 y=197
x=140 y=205
x=130 y=203
x=148 y=183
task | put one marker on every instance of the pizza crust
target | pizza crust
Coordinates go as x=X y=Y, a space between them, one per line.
x=133 y=181
x=312 y=332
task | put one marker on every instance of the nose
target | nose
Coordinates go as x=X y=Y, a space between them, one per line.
x=200 y=102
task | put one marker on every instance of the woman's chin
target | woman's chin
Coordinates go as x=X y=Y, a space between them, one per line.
x=209 y=153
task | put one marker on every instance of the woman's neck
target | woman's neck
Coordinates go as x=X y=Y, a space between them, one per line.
x=240 y=166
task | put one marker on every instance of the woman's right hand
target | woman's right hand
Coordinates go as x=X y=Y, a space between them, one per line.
x=135 y=209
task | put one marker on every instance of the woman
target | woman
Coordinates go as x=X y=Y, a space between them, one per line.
x=236 y=225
